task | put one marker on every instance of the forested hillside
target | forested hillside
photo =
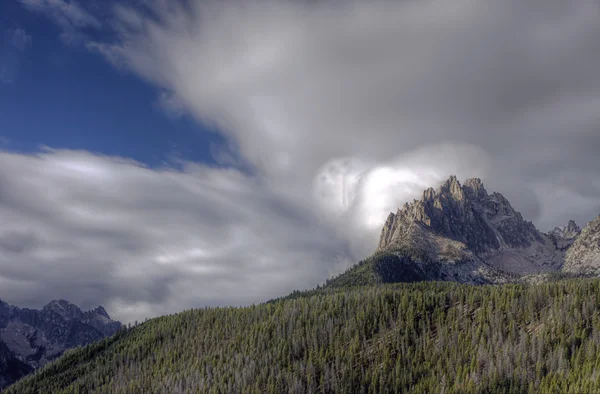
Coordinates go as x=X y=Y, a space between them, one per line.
x=420 y=337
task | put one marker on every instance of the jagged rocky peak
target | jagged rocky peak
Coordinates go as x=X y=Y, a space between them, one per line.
x=452 y=188
x=463 y=233
x=570 y=231
x=474 y=188
x=572 y=227
x=64 y=308
x=101 y=311
x=583 y=257
x=465 y=213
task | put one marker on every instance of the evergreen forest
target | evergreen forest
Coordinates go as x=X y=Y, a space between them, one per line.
x=426 y=337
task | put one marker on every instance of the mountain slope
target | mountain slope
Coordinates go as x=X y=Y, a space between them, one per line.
x=36 y=337
x=11 y=368
x=583 y=257
x=412 y=265
x=412 y=338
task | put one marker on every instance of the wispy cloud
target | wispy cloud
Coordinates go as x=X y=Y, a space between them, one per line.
x=69 y=15
x=64 y=12
x=18 y=39
x=14 y=43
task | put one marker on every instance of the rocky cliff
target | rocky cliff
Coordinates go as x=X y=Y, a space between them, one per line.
x=583 y=257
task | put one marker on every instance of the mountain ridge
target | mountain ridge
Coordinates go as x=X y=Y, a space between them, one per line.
x=460 y=232
x=35 y=337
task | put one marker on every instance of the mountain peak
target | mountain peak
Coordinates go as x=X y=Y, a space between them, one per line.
x=452 y=180
x=452 y=187
x=64 y=308
x=474 y=188
x=568 y=232
x=572 y=227
x=472 y=220
x=59 y=303
x=101 y=311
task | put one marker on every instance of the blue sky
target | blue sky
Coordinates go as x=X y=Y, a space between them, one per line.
x=66 y=97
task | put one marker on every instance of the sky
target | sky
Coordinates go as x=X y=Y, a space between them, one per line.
x=162 y=155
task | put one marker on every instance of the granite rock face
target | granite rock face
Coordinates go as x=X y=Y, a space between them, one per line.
x=35 y=337
x=583 y=257
x=464 y=223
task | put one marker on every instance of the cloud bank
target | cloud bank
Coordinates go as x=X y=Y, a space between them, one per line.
x=341 y=111
x=297 y=84
x=92 y=229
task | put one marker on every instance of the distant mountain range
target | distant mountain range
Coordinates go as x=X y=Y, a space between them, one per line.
x=31 y=338
x=462 y=233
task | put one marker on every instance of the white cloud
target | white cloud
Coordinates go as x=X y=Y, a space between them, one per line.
x=357 y=196
x=342 y=112
x=96 y=229
x=297 y=84
x=64 y=12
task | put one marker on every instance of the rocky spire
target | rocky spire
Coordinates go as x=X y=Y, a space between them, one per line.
x=465 y=213
x=452 y=188
x=387 y=231
x=473 y=188
x=572 y=227
x=568 y=232
x=101 y=311
x=583 y=257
